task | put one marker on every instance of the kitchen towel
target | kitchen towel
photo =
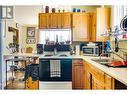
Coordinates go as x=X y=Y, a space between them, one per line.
x=55 y=68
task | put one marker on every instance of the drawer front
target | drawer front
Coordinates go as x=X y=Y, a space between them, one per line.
x=78 y=62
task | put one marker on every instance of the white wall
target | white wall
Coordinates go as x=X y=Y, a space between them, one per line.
x=24 y=37
x=8 y=36
x=117 y=14
x=27 y=14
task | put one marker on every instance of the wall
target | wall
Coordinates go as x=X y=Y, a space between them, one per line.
x=27 y=14
x=27 y=18
x=8 y=36
x=86 y=8
x=25 y=45
x=117 y=15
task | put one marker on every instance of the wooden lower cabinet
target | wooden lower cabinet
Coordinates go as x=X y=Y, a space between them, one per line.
x=77 y=74
x=87 y=83
x=109 y=82
x=96 y=84
x=86 y=76
x=96 y=79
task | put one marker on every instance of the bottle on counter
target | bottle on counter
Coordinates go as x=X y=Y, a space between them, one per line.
x=46 y=9
x=53 y=10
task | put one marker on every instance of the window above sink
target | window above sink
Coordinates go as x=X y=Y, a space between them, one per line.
x=52 y=34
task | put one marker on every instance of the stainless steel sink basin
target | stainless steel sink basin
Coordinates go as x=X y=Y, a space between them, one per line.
x=48 y=55
x=103 y=61
x=108 y=62
x=63 y=55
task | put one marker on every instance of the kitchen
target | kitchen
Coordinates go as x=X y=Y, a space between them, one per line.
x=64 y=47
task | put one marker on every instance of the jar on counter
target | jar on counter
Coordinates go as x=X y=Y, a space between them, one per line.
x=53 y=10
x=46 y=9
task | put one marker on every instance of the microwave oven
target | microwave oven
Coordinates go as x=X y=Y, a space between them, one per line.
x=90 y=50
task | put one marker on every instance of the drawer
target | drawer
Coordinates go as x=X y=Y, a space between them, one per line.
x=77 y=62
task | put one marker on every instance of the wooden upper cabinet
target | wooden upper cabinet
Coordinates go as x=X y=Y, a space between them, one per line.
x=66 y=20
x=54 y=20
x=80 y=26
x=44 y=19
x=103 y=22
x=92 y=28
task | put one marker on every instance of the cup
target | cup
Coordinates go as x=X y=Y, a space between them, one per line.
x=74 y=9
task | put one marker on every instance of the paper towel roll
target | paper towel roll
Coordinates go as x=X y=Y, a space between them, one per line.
x=77 y=50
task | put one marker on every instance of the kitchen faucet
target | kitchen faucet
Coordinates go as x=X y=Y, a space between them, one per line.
x=55 y=51
x=124 y=57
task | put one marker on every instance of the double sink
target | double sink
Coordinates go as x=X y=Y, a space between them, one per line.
x=111 y=62
x=103 y=61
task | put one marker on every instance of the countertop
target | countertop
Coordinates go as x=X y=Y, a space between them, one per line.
x=60 y=57
x=119 y=74
x=21 y=55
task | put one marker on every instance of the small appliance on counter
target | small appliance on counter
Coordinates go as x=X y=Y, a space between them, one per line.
x=77 y=47
x=39 y=48
x=90 y=50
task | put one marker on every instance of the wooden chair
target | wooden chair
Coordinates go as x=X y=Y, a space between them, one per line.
x=29 y=50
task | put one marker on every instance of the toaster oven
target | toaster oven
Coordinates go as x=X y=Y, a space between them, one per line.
x=90 y=50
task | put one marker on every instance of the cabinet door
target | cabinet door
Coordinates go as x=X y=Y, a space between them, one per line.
x=44 y=20
x=96 y=84
x=88 y=80
x=77 y=75
x=66 y=69
x=66 y=20
x=92 y=27
x=103 y=23
x=80 y=26
x=109 y=82
x=87 y=76
x=56 y=20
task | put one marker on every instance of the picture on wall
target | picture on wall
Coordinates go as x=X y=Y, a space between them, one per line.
x=30 y=40
x=30 y=31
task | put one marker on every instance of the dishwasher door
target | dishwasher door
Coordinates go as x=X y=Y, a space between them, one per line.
x=65 y=71
x=44 y=69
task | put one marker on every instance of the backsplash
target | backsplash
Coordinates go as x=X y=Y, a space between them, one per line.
x=122 y=46
x=84 y=44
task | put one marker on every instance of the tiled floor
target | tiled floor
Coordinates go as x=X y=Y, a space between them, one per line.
x=55 y=85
